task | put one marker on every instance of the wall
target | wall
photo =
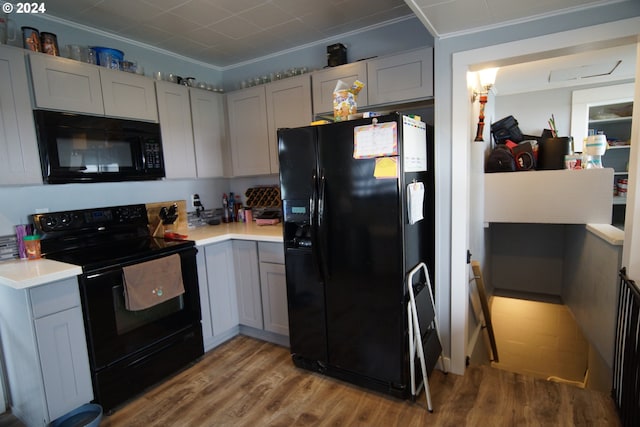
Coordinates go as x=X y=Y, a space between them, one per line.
x=453 y=58
x=532 y=110
x=590 y=291
x=400 y=35
x=150 y=58
x=527 y=258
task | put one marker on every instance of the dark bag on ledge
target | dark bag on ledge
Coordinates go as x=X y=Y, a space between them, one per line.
x=506 y=128
x=500 y=160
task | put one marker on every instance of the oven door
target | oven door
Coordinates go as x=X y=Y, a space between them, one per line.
x=114 y=333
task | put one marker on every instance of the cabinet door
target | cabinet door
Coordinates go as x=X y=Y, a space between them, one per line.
x=207 y=116
x=245 y=257
x=205 y=305
x=177 y=135
x=221 y=283
x=288 y=106
x=273 y=285
x=64 y=360
x=65 y=84
x=19 y=159
x=248 y=132
x=400 y=78
x=324 y=83
x=128 y=95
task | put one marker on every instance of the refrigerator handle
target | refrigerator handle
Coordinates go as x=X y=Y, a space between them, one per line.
x=313 y=222
x=322 y=233
x=312 y=200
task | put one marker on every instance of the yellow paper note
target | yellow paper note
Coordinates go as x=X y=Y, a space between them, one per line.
x=386 y=168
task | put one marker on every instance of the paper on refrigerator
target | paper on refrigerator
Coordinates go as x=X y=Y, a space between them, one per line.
x=415 y=201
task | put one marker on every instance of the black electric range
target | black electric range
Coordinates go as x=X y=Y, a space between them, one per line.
x=129 y=349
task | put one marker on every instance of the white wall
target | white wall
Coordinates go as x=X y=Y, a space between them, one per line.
x=532 y=110
x=19 y=202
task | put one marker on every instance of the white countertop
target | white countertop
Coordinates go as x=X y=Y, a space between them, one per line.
x=608 y=233
x=209 y=234
x=22 y=274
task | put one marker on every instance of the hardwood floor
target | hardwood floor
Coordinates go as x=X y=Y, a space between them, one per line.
x=247 y=382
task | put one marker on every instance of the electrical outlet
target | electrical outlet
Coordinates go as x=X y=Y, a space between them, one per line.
x=195 y=201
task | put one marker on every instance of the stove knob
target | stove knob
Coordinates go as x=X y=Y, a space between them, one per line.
x=65 y=219
x=49 y=221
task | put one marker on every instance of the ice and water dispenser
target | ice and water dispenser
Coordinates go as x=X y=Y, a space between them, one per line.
x=297 y=223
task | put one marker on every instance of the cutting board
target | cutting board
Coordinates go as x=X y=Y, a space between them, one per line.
x=153 y=211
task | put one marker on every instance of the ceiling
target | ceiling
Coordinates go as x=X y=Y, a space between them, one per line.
x=598 y=66
x=227 y=32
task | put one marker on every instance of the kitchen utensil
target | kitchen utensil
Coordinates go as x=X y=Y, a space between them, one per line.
x=169 y=215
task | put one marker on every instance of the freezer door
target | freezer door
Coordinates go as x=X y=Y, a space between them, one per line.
x=305 y=296
x=297 y=155
x=361 y=243
x=305 y=290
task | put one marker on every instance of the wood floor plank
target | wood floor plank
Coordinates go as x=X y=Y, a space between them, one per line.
x=247 y=382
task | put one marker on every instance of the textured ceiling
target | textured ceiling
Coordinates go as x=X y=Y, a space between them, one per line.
x=228 y=32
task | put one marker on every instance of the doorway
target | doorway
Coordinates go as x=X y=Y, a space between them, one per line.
x=521 y=51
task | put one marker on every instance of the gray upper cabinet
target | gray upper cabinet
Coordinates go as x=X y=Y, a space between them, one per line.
x=400 y=78
x=66 y=85
x=288 y=106
x=248 y=131
x=128 y=95
x=324 y=83
x=207 y=117
x=19 y=160
x=177 y=132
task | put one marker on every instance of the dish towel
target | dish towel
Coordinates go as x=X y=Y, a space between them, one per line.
x=149 y=283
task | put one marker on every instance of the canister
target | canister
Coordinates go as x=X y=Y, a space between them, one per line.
x=49 y=43
x=622 y=187
x=32 y=246
x=31 y=39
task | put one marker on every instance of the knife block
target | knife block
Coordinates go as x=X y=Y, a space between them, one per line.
x=156 y=228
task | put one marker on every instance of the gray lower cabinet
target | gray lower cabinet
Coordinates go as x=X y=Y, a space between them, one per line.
x=245 y=257
x=273 y=286
x=243 y=290
x=216 y=278
x=45 y=351
x=262 y=290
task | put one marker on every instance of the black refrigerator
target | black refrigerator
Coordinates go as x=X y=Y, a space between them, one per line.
x=358 y=213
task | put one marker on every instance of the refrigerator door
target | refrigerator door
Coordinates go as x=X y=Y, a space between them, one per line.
x=360 y=232
x=305 y=289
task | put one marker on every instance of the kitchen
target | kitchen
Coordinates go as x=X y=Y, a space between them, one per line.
x=210 y=191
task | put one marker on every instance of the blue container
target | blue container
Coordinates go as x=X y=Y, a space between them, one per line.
x=88 y=415
x=107 y=57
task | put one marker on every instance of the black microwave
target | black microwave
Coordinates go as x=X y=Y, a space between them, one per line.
x=77 y=148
